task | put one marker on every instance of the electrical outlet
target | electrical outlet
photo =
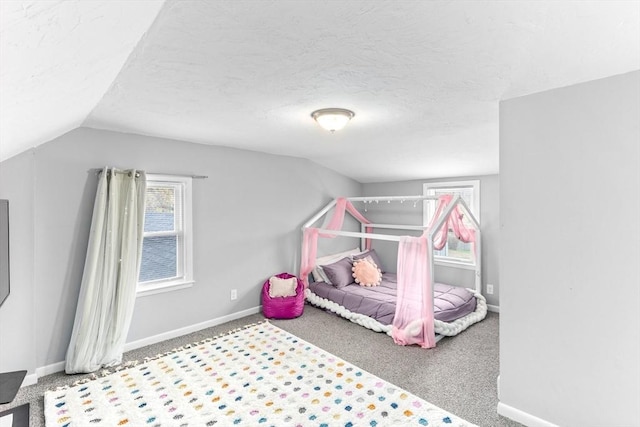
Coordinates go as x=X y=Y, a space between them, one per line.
x=489 y=289
x=234 y=294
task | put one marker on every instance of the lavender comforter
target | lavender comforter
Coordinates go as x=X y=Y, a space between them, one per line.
x=379 y=302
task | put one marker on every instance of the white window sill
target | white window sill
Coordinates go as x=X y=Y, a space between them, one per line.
x=454 y=264
x=159 y=288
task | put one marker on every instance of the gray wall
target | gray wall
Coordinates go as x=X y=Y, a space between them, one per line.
x=17 y=315
x=570 y=245
x=397 y=213
x=246 y=220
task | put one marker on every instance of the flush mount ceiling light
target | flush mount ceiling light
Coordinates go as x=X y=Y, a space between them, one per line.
x=332 y=119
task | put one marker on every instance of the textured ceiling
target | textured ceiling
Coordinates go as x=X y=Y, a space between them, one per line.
x=57 y=60
x=424 y=78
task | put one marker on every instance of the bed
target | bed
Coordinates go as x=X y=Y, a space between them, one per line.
x=454 y=308
x=411 y=306
x=379 y=302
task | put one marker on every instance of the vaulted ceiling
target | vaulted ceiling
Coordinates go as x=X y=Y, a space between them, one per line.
x=424 y=77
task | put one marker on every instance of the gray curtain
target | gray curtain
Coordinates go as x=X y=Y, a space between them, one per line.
x=108 y=288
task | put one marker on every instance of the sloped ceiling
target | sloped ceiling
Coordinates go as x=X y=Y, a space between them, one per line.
x=57 y=60
x=424 y=78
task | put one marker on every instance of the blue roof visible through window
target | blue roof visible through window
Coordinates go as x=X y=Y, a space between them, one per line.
x=159 y=258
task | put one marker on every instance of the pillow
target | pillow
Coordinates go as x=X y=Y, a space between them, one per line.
x=339 y=273
x=374 y=257
x=366 y=272
x=282 y=287
x=318 y=272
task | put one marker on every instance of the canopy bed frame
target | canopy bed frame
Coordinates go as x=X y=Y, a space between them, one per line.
x=414 y=321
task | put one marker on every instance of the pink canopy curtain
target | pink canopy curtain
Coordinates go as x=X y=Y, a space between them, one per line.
x=310 y=236
x=454 y=222
x=413 y=320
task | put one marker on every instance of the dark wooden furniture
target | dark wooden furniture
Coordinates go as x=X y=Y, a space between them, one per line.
x=20 y=415
x=10 y=383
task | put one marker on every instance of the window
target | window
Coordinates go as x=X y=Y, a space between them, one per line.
x=166 y=248
x=455 y=252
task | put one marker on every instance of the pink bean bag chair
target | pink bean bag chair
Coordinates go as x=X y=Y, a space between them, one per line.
x=282 y=297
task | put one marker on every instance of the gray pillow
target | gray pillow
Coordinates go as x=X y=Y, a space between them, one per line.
x=339 y=273
x=374 y=256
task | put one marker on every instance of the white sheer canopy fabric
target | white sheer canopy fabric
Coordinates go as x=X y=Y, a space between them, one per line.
x=108 y=288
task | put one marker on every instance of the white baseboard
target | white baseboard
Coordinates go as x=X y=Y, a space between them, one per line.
x=493 y=308
x=30 y=379
x=59 y=366
x=522 y=417
x=49 y=369
x=189 y=329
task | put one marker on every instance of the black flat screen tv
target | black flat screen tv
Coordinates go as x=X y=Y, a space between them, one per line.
x=4 y=250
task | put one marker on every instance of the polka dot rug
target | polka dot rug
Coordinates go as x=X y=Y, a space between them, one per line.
x=259 y=375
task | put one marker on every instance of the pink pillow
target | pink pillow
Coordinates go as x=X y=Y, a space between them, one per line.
x=366 y=272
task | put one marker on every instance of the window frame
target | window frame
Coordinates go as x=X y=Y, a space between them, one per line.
x=184 y=267
x=429 y=209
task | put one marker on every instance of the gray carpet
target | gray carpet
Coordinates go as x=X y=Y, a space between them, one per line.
x=459 y=375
